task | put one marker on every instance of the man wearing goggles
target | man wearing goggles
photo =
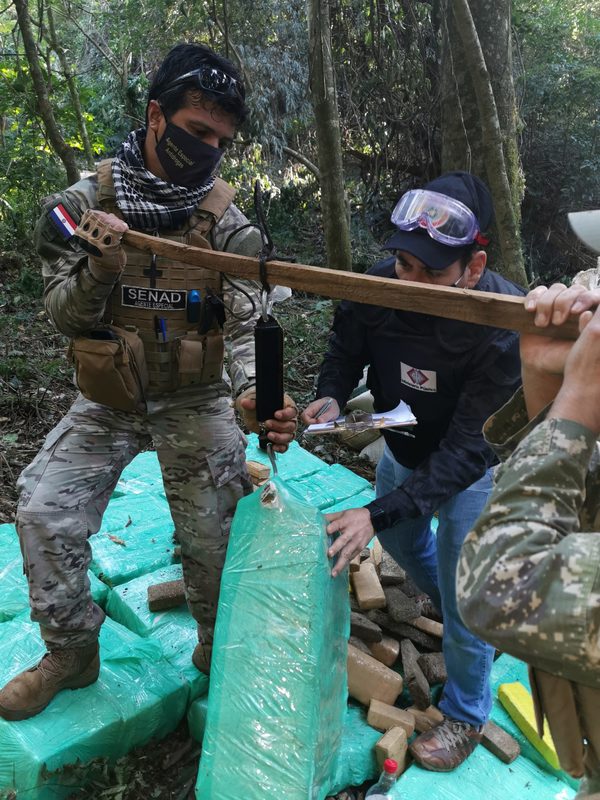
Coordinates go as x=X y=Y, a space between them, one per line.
x=163 y=180
x=452 y=374
x=446 y=220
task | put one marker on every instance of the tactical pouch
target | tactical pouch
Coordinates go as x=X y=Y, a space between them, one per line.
x=110 y=368
x=199 y=358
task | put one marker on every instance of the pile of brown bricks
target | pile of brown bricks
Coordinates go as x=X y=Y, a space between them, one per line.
x=396 y=644
x=392 y=625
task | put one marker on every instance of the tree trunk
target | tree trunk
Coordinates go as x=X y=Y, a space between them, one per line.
x=334 y=204
x=479 y=115
x=61 y=148
x=66 y=68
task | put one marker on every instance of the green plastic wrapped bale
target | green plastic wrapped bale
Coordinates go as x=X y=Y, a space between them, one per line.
x=354 y=501
x=136 y=537
x=174 y=628
x=138 y=696
x=14 y=596
x=293 y=464
x=507 y=669
x=329 y=486
x=277 y=698
x=141 y=476
x=484 y=775
x=356 y=761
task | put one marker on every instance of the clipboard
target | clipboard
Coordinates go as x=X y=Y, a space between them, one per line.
x=401 y=416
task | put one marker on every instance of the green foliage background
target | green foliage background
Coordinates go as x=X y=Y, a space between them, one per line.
x=386 y=56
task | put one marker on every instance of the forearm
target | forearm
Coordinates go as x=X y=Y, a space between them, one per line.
x=75 y=296
x=525 y=571
x=539 y=389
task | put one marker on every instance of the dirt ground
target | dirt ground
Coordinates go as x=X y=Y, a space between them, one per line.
x=35 y=392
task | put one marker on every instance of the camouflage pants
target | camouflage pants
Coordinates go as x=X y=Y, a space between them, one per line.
x=65 y=490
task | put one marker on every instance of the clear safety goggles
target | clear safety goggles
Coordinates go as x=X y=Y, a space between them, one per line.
x=209 y=79
x=445 y=219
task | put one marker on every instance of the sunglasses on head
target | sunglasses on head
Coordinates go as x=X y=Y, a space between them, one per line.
x=208 y=79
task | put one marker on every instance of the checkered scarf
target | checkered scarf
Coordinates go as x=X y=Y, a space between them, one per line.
x=148 y=202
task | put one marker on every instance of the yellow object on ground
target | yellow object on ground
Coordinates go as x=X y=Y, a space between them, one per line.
x=517 y=700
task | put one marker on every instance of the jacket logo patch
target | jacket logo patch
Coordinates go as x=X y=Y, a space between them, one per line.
x=423 y=380
x=163 y=299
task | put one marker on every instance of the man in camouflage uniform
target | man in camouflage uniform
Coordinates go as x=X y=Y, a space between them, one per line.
x=529 y=573
x=97 y=291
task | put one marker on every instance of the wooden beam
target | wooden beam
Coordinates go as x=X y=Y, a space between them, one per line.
x=467 y=305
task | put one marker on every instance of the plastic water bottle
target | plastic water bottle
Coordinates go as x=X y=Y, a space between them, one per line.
x=381 y=789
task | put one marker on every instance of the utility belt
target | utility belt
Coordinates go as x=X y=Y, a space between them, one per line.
x=121 y=365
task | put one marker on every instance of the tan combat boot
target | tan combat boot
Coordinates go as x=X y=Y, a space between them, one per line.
x=31 y=691
x=201 y=657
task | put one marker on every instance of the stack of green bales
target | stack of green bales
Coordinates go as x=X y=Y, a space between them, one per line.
x=147 y=680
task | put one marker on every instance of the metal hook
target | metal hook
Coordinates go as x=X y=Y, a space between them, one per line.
x=264 y=304
x=271 y=454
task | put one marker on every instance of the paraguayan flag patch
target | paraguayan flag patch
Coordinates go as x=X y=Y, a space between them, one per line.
x=63 y=221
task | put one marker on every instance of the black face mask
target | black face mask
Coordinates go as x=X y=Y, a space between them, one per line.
x=186 y=160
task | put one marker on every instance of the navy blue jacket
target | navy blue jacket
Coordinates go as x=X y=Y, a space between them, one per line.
x=452 y=374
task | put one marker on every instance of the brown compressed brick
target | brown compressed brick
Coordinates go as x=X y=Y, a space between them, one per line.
x=428 y=625
x=399 y=606
x=366 y=586
x=386 y=651
x=364 y=628
x=425 y=718
x=403 y=630
x=383 y=716
x=359 y=644
x=393 y=744
x=428 y=609
x=353 y=602
x=434 y=667
x=410 y=588
x=500 y=743
x=169 y=594
x=413 y=675
x=424 y=641
x=355 y=564
x=376 y=552
x=390 y=572
x=258 y=472
x=368 y=679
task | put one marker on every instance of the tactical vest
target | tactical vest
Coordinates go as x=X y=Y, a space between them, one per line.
x=152 y=293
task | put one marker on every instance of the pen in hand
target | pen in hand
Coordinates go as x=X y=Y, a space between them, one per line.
x=325 y=407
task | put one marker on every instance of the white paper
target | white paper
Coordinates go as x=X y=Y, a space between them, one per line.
x=399 y=416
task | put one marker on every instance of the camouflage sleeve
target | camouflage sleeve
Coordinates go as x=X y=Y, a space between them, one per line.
x=505 y=429
x=529 y=573
x=241 y=297
x=75 y=292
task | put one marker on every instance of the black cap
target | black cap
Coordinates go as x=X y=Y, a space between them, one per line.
x=469 y=190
